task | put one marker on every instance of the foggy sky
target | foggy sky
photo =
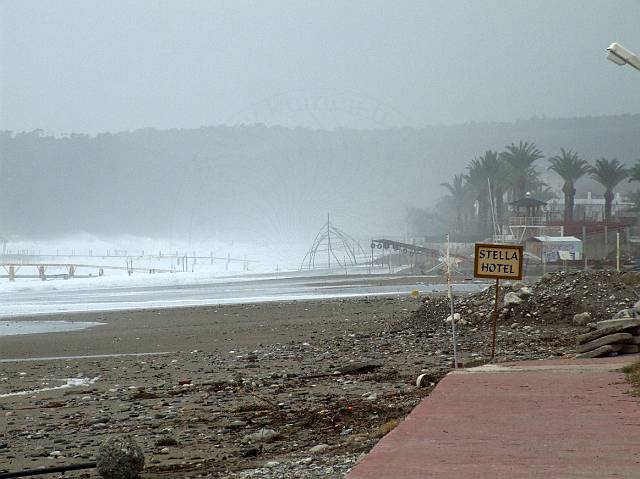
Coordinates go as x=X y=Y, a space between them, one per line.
x=92 y=66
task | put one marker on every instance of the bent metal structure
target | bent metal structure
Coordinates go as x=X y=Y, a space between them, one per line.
x=438 y=258
x=339 y=248
x=409 y=249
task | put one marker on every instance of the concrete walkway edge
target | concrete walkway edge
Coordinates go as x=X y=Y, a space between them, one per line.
x=552 y=419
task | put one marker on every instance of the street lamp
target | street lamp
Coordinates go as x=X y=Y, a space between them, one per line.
x=621 y=56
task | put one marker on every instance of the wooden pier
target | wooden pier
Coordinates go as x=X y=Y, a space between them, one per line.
x=70 y=270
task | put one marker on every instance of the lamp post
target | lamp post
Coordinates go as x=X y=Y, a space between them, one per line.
x=621 y=56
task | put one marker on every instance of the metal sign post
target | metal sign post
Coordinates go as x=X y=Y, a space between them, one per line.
x=618 y=252
x=495 y=320
x=497 y=261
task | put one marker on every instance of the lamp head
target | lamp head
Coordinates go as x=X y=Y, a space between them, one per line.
x=619 y=54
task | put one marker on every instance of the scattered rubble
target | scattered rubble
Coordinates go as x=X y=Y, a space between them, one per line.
x=555 y=299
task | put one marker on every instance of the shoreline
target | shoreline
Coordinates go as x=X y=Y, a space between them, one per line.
x=49 y=299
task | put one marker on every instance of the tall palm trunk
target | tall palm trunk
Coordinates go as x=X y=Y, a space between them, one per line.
x=521 y=185
x=569 y=200
x=499 y=202
x=483 y=213
x=608 y=201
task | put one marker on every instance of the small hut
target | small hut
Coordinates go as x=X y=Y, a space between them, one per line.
x=526 y=209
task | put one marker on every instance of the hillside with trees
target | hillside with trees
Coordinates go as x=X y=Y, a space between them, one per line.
x=265 y=182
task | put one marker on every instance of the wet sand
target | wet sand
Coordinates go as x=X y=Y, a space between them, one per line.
x=210 y=328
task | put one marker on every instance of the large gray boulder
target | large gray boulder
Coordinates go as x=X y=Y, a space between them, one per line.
x=262 y=435
x=597 y=333
x=609 y=339
x=524 y=292
x=581 y=319
x=511 y=299
x=602 y=350
x=120 y=458
x=626 y=313
x=621 y=323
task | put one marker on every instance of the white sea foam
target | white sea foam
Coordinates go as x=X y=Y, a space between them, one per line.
x=69 y=383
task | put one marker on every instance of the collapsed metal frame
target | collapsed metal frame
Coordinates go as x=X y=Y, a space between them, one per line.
x=410 y=249
x=415 y=250
x=350 y=246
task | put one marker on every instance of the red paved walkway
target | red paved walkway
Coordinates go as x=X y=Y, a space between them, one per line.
x=551 y=419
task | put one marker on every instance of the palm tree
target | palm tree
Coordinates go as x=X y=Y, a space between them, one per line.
x=634 y=172
x=481 y=172
x=543 y=192
x=634 y=197
x=609 y=173
x=459 y=192
x=520 y=159
x=570 y=168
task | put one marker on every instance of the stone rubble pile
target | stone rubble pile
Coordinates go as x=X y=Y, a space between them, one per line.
x=572 y=298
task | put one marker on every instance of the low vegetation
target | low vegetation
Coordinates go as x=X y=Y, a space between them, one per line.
x=633 y=377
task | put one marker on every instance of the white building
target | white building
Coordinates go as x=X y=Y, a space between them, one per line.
x=590 y=208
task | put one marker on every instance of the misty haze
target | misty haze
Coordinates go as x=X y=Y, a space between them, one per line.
x=246 y=239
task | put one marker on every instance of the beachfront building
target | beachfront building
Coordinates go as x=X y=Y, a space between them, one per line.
x=554 y=248
x=528 y=217
x=590 y=208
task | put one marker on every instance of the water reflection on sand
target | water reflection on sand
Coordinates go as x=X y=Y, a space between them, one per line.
x=12 y=328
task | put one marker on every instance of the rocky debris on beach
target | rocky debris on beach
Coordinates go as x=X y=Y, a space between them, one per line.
x=555 y=299
x=575 y=302
x=306 y=405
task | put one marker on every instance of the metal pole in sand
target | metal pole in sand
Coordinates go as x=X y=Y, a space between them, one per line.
x=454 y=332
x=618 y=252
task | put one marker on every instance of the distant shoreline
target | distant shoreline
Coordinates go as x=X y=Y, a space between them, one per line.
x=68 y=302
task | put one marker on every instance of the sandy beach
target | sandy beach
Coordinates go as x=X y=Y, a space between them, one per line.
x=319 y=382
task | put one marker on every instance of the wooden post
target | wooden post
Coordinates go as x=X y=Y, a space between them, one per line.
x=495 y=320
x=606 y=242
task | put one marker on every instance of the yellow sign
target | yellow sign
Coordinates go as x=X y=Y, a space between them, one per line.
x=498 y=261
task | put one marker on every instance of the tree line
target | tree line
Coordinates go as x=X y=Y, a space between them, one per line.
x=495 y=179
x=247 y=181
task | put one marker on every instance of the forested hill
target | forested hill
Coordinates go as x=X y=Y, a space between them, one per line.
x=257 y=181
